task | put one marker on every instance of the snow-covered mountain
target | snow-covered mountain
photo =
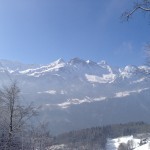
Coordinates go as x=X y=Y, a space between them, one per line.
x=78 y=93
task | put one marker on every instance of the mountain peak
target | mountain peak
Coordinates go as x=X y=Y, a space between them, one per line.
x=57 y=62
x=102 y=62
x=77 y=60
x=91 y=62
x=130 y=68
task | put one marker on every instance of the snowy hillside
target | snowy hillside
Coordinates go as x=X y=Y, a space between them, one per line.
x=70 y=91
x=128 y=141
x=113 y=144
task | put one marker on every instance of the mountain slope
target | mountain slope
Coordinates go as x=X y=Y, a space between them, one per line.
x=78 y=93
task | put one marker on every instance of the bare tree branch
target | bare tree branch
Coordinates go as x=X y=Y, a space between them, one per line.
x=144 y=6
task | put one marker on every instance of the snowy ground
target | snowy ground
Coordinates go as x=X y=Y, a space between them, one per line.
x=144 y=147
x=113 y=144
x=57 y=147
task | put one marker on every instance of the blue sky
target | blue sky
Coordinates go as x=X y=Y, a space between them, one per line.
x=41 y=31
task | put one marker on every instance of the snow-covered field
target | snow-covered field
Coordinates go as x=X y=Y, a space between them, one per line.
x=144 y=147
x=113 y=144
x=57 y=147
x=134 y=143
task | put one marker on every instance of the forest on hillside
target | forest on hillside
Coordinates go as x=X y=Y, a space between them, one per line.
x=96 y=137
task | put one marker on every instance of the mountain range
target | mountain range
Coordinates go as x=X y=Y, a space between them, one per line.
x=79 y=94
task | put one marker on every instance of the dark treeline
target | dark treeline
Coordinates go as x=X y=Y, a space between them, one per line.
x=96 y=137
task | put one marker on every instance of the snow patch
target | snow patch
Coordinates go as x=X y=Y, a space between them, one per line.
x=106 y=78
x=139 y=80
x=76 y=101
x=52 y=92
x=57 y=147
x=127 y=93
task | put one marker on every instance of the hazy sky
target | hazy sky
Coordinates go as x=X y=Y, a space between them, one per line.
x=41 y=31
